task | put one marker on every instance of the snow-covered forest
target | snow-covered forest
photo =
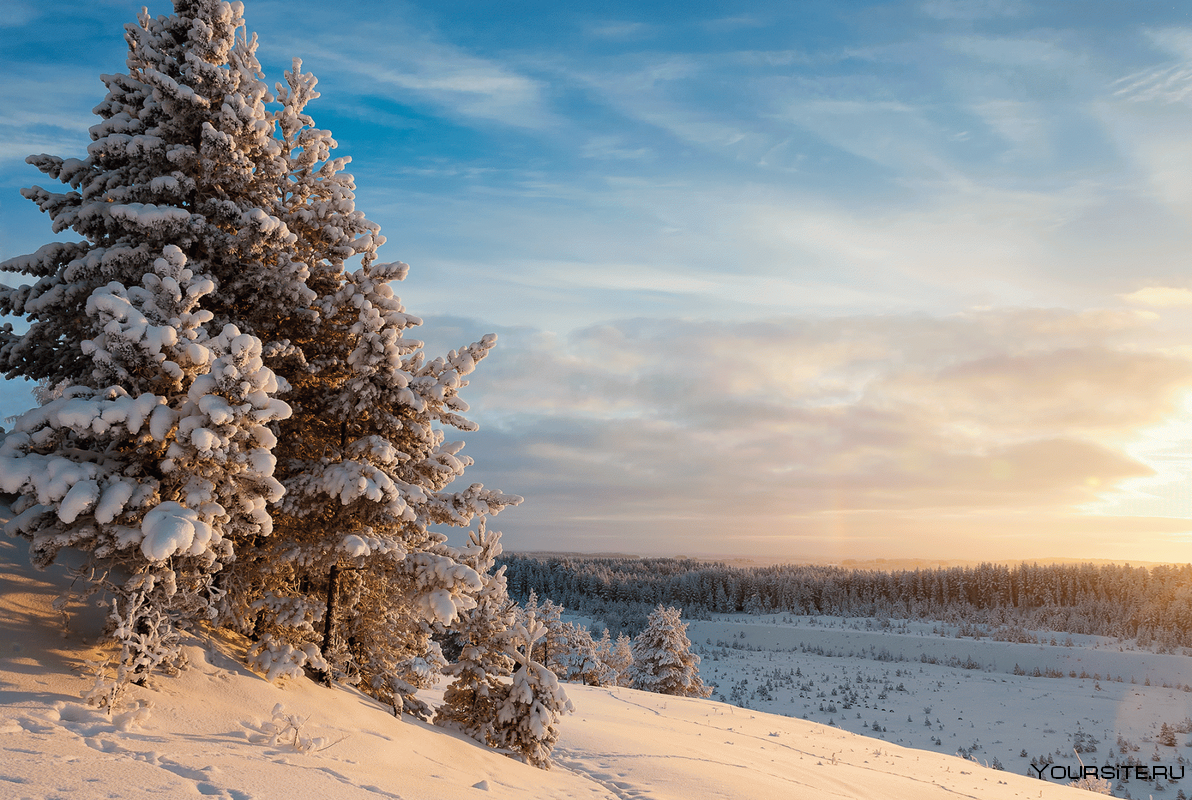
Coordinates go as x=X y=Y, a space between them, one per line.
x=1149 y=605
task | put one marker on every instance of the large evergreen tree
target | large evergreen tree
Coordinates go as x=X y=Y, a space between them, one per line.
x=364 y=460
x=212 y=282
x=152 y=452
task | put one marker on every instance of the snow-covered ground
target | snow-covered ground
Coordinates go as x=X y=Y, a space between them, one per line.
x=211 y=731
x=902 y=684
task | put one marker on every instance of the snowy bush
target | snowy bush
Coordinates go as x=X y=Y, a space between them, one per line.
x=1094 y=785
x=288 y=730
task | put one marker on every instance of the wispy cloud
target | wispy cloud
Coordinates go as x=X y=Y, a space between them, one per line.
x=613 y=147
x=47 y=113
x=406 y=59
x=449 y=79
x=735 y=22
x=1175 y=40
x=1169 y=84
x=1024 y=125
x=972 y=9
x=18 y=13
x=618 y=30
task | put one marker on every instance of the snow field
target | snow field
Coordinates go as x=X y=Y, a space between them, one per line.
x=827 y=670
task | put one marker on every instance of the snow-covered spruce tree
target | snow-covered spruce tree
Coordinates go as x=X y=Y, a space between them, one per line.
x=580 y=661
x=471 y=700
x=552 y=646
x=354 y=580
x=184 y=155
x=154 y=456
x=158 y=467
x=662 y=657
x=189 y=156
x=606 y=657
x=620 y=660
x=528 y=716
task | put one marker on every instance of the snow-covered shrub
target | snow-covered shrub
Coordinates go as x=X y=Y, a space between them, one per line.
x=1094 y=785
x=286 y=729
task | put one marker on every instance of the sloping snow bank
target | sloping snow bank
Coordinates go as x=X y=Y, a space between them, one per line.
x=213 y=732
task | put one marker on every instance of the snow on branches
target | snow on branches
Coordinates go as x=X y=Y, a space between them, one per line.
x=528 y=717
x=236 y=428
x=471 y=700
x=662 y=657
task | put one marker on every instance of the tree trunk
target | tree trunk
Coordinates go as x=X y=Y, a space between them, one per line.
x=329 y=619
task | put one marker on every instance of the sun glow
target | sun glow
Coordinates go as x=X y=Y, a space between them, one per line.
x=1167 y=449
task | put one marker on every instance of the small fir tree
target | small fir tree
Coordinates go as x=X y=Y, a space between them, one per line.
x=528 y=716
x=471 y=701
x=551 y=649
x=620 y=660
x=580 y=660
x=662 y=657
x=608 y=674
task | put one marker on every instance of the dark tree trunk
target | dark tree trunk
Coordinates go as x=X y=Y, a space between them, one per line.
x=329 y=619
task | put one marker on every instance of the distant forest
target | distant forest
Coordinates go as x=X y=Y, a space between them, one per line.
x=1149 y=605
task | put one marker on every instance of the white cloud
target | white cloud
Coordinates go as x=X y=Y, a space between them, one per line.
x=791 y=422
x=1160 y=297
x=618 y=30
x=1174 y=40
x=50 y=113
x=735 y=23
x=18 y=13
x=889 y=133
x=1040 y=50
x=1170 y=83
x=1153 y=138
x=613 y=147
x=1024 y=125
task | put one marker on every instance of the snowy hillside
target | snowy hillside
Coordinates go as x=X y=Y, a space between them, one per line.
x=212 y=732
x=1008 y=704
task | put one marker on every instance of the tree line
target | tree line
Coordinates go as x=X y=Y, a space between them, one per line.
x=1146 y=604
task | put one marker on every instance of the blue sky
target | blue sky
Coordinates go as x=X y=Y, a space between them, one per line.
x=818 y=279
